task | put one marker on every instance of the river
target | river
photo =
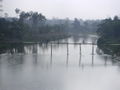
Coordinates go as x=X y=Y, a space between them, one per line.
x=38 y=67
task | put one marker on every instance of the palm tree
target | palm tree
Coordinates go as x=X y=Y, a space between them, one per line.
x=17 y=11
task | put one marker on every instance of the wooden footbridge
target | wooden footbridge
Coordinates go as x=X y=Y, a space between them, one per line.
x=80 y=53
x=80 y=46
x=92 y=45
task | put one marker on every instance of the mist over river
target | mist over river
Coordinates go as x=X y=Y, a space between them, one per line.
x=58 y=67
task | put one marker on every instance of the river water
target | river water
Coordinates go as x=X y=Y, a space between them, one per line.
x=60 y=67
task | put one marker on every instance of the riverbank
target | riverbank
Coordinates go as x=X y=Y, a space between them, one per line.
x=42 y=38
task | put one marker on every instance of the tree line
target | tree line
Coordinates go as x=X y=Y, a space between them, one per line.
x=30 y=26
x=34 y=26
x=109 y=36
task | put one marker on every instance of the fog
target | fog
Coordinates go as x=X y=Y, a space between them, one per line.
x=85 y=9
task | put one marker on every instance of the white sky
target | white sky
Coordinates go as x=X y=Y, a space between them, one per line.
x=85 y=9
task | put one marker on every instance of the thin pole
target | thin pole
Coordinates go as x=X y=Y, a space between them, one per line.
x=67 y=55
x=80 y=60
x=92 y=60
x=67 y=60
x=92 y=49
x=67 y=49
x=80 y=55
x=105 y=60
x=80 y=49
x=51 y=55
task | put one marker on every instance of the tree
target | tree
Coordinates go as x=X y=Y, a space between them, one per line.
x=24 y=16
x=11 y=30
x=109 y=32
x=38 y=19
x=17 y=11
x=76 y=25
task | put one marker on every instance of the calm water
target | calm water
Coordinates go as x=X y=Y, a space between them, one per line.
x=36 y=67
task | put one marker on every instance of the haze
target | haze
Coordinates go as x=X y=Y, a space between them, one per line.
x=85 y=9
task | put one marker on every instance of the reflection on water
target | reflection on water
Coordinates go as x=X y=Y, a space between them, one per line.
x=51 y=54
x=57 y=67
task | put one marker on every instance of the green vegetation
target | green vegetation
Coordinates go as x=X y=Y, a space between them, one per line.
x=11 y=30
x=34 y=27
x=30 y=26
x=109 y=32
x=11 y=48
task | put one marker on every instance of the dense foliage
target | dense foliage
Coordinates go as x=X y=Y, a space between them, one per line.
x=11 y=30
x=30 y=26
x=34 y=27
x=109 y=32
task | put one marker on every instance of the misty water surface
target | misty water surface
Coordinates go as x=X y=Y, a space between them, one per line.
x=35 y=67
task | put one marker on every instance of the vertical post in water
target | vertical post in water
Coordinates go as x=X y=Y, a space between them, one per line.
x=67 y=49
x=80 y=60
x=92 y=54
x=105 y=60
x=80 y=55
x=67 y=55
x=80 y=49
x=51 y=54
x=67 y=60
x=92 y=60
x=92 y=48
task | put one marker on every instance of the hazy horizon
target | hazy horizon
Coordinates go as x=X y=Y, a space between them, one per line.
x=85 y=9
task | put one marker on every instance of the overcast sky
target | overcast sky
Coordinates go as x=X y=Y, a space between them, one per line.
x=85 y=9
